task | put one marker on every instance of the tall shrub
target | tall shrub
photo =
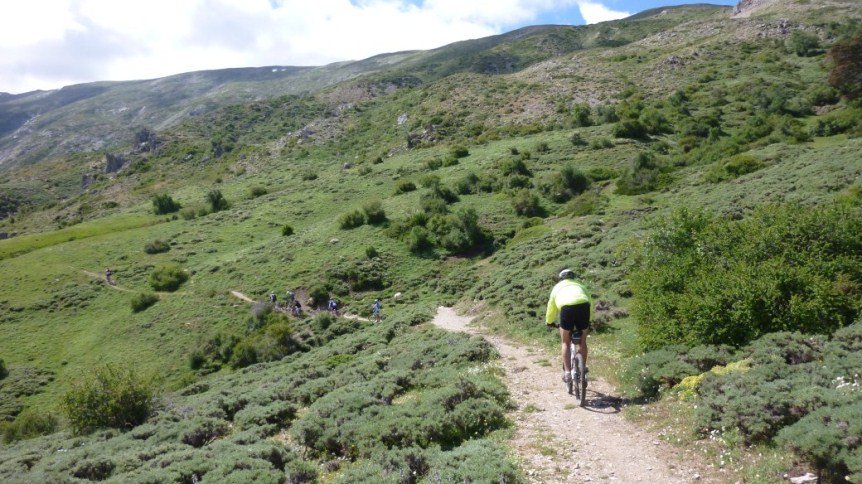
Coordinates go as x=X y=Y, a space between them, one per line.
x=109 y=397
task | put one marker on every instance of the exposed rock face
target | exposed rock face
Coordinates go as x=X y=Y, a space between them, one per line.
x=113 y=162
x=146 y=141
x=745 y=7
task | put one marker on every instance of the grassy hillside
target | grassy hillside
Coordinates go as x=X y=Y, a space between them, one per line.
x=473 y=174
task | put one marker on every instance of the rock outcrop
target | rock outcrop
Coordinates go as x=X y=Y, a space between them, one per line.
x=113 y=163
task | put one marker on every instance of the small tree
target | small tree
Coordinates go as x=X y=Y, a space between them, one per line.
x=109 y=397
x=526 y=204
x=217 y=201
x=163 y=204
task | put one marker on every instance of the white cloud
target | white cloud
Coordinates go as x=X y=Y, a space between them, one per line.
x=594 y=12
x=48 y=43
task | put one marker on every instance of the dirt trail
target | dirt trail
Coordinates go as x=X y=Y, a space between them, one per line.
x=556 y=440
x=245 y=298
x=102 y=278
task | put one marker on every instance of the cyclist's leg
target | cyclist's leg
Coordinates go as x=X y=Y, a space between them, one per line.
x=583 y=346
x=566 y=340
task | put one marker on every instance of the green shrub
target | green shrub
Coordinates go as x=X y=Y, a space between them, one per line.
x=142 y=301
x=513 y=166
x=27 y=425
x=188 y=213
x=156 y=247
x=4 y=372
x=526 y=204
x=581 y=115
x=644 y=175
x=309 y=175
x=565 y=184
x=257 y=191
x=587 y=203
x=602 y=174
x=419 y=240
x=286 y=230
x=404 y=186
x=704 y=279
x=468 y=184
x=163 y=204
x=542 y=147
x=168 y=277
x=846 y=72
x=829 y=439
x=459 y=151
x=371 y=252
x=734 y=167
x=109 y=397
x=630 y=128
x=374 y=213
x=216 y=201
x=318 y=294
x=432 y=164
x=577 y=139
x=601 y=144
x=803 y=44
x=351 y=220
x=479 y=460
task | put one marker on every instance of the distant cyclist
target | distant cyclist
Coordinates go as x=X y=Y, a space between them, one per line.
x=108 y=274
x=273 y=299
x=332 y=305
x=297 y=308
x=291 y=296
x=570 y=301
x=375 y=310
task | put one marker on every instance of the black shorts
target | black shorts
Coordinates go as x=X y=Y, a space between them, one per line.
x=575 y=316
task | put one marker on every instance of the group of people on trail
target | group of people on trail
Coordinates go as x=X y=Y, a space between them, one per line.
x=570 y=303
x=332 y=305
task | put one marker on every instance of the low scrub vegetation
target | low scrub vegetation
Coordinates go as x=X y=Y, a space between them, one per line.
x=142 y=301
x=163 y=204
x=156 y=247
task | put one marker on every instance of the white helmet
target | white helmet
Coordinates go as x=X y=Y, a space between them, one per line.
x=567 y=274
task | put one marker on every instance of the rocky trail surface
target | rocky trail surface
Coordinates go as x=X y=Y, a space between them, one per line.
x=558 y=441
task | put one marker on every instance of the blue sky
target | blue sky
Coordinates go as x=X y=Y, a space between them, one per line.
x=47 y=44
x=571 y=15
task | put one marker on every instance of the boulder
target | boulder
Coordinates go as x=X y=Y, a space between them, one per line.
x=113 y=163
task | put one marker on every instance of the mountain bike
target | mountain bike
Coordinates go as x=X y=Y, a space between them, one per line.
x=577 y=384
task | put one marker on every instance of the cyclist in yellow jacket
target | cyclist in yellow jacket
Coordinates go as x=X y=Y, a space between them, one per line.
x=570 y=301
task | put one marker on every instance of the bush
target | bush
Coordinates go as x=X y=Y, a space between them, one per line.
x=846 y=72
x=142 y=301
x=601 y=144
x=374 y=213
x=829 y=439
x=419 y=240
x=371 y=252
x=581 y=115
x=109 y=397
x=803 y=44
x=257 y=191
x=404 y=186
x=587 y=203
x=286 y=230
x=163 y=204
x=168 y=277
x=565 y=184
x=704 y=279
x=308 y=175
x=630 y=128
x=526 y=204
x=188 y=213
x=602 y=174
x=4 y=372
x=735 y=167
x=156 y=247
x=217 y=201
x=467 y=185
x=644 y=175
x=318 y=294
x=459 y=151
x=432 y=164
x=577 y=139
x=351 y=220
x=27 y=425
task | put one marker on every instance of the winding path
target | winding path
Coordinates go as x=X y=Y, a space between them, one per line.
x=558 y=441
